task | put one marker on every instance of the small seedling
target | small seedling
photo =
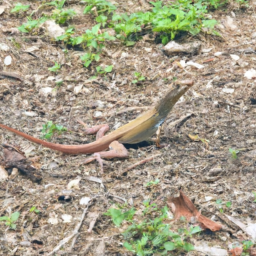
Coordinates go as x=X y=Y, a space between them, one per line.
x=118 y=216
x=31 y=24
x=104 y=71
x=254 y=193
x=228 y=204
x=10 y=221
x=197 y=138
x=67 y=35
x=20 y=8
x=55 y=68
x=150 y=183
x=233 y=153
x=50 y=128
x=102 y=6
x=247 y=245
x=220 y=203
x=139 y=78
x=34 y=209
x=62 y=16
x=58 y=84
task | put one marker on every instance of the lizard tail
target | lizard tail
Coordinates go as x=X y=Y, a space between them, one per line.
x=93 y=147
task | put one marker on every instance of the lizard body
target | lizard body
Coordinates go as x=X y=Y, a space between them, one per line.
x=139 y=129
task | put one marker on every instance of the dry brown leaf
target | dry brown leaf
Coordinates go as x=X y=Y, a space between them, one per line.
x=182 y=206
x=236 y=251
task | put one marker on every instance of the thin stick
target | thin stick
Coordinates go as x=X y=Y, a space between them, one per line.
x=75 y=232
x=12 y=75
x=139 y=163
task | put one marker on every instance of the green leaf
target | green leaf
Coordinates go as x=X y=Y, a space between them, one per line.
x=13 y=226
x=219 y=201
x=169 y=246
x=20 y=7
x=228 y=204
x=130 y=43
x=195 y=230
x=15 y=216
x=209 y=23
x=116 y=216
x=87 y=63
x=97 y=57
x=108 y=68
x=128 y=246
x=4 y=218
x=88 y=8
x=188 y=247
x=95 y=29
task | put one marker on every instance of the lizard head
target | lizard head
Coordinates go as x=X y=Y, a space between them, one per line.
x=172 y=96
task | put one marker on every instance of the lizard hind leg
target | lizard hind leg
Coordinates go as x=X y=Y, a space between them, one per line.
x=100 y=130
x=117 y=150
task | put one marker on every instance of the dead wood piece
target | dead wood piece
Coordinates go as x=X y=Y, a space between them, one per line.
x=14 y=159
x=139 y=163
x=12 y=75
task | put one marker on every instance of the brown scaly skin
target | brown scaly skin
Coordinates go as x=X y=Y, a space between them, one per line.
x=139 y=129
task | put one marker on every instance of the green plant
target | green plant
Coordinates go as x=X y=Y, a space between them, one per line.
x=31 y=24
x=150 y=183
x=62 y=16
x=104 y=71
x=233 y=153
x=10 y=221
x=102 y=20
x=58 y=83
x=67 y=35
x=220 y=203
x=55 y=68
x=102 y=6
x=57 y=3
x=247 y=245
x=50 y=128
x=153 y=237
x=139 y=78
x=34 y=209
x=118 y=215
x=94 y=40
x=254 y=193
x=20 y=7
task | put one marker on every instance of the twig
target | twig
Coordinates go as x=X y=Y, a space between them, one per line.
x=139 y=163
x=118 y=197
x=75 y=232
x=92 y=223
x=12 y=75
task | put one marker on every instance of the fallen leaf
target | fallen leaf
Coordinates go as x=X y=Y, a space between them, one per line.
x=53 y=218
x=74 y=184
x=66 y=218
x=182 y=206
x=85 y=200
x=2 y=9
x=3 y=174
x=236 y=251
x=194 y=137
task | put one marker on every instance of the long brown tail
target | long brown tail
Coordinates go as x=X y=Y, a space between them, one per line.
x=93 y=147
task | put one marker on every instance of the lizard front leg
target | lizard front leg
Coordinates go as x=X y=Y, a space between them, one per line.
x=117 y=150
